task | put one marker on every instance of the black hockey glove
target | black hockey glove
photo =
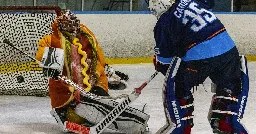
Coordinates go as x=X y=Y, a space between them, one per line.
x=123 y=76
x=162 y=68
x=117 y=85
x=159 y=66
x=49 y=72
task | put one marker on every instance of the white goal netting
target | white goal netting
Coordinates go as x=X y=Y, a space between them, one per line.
x=23 y=27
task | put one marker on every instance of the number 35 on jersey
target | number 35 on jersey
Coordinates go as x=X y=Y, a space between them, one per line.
x=198 y=17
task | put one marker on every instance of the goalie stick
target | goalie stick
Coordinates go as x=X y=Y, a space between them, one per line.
x=170 y=73
x=110 y=117
x=105 y=122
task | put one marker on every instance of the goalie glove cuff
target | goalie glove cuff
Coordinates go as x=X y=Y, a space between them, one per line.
x=49 y=72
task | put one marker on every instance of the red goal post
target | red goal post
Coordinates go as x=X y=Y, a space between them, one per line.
x=23 y=26
x=35 y=9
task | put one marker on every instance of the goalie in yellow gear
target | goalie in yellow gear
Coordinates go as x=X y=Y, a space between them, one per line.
x=73 y=51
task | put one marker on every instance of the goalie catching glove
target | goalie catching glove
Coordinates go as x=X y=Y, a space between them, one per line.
x=116 y=79
x=52 y=62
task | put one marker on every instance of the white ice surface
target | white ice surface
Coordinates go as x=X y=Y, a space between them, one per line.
x=30 y=115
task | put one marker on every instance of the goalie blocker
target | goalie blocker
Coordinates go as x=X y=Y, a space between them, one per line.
x=52 y=62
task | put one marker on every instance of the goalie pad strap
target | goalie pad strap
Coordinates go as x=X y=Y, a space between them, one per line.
x=227 y=98
x=224 y=112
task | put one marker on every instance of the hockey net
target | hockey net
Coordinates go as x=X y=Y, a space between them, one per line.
x=23 y=26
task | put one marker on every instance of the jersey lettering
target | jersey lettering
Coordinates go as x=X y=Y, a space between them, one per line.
x=181 y=7
x=198 y=17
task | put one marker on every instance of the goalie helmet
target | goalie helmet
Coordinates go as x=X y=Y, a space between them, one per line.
x=68 y=22
x=158 y=7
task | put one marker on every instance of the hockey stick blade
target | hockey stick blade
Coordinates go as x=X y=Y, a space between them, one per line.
x=105 y=122
x=81 y=129
x=76 y=128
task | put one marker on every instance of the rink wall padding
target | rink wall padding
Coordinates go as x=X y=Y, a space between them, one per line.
x=125 y=37
x=131 y=35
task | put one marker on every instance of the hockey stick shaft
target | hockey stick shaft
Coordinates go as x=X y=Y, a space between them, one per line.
x=138 y=90
x=105 y=122
x=10 y=44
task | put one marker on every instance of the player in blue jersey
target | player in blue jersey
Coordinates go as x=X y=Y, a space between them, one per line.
x=189 y=30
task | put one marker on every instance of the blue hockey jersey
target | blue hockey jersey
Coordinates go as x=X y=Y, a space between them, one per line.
x=190 y=31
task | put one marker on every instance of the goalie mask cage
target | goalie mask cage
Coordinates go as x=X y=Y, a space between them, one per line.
x=23 y=26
